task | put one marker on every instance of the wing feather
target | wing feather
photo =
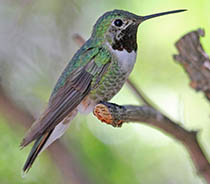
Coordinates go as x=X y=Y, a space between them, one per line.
x=67 y=98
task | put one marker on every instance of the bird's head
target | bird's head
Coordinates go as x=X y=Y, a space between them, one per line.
x=119 y=26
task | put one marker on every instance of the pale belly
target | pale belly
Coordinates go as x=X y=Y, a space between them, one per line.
x=111 y=82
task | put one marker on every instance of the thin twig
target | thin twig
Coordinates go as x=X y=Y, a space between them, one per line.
x=78 y=39
x=138 y=92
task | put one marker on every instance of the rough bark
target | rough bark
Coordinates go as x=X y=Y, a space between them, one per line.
x=195 y=61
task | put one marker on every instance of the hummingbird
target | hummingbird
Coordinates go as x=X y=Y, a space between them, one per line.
x=96 y=73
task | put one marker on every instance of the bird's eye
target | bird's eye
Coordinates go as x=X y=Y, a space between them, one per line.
x=118 y=22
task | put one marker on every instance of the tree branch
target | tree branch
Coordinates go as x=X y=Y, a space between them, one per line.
x=195 y=61
x=116 y=115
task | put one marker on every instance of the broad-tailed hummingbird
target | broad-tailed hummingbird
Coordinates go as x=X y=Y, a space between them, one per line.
x=96 y=73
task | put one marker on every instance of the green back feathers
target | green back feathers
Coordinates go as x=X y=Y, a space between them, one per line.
x=82 y=57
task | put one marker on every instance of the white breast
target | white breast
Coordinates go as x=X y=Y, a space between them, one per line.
x=126 y=60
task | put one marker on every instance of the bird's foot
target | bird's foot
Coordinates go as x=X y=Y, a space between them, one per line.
x=102 y=112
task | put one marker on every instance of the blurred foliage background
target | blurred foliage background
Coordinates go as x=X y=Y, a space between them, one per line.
x=36 y=44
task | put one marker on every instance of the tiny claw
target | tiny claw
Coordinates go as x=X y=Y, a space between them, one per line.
x=102 y=112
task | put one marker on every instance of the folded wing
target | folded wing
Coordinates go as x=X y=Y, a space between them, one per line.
x=77 y=86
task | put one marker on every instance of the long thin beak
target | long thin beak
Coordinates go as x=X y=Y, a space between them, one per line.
x=143 y=18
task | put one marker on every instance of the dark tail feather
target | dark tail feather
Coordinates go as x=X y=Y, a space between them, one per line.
x=37 y=147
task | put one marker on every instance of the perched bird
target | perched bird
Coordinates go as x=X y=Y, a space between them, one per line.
x=96 y=73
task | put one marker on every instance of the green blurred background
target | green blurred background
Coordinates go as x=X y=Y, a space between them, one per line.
x=35 y=45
